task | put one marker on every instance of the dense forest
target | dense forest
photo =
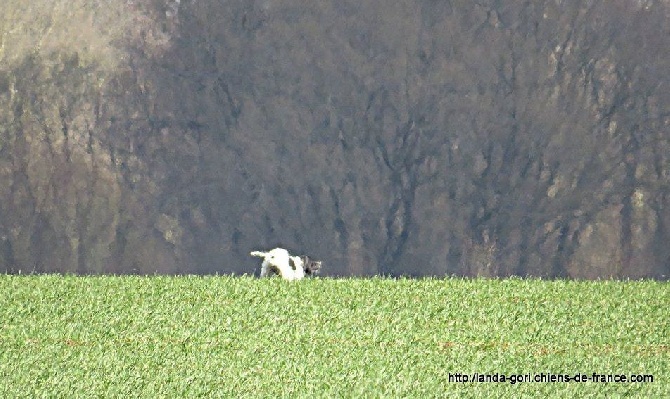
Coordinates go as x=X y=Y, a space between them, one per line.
x=422 y=137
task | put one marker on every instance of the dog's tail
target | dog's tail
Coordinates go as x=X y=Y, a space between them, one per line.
x=258 y=254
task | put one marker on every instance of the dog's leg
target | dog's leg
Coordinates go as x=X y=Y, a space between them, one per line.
x=285 y=271
x=269 y=268
x=265 y=269
x=298 y=267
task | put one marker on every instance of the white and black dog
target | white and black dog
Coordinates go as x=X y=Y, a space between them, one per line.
x=279 y=262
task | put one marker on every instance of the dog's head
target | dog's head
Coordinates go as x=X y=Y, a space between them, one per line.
x=311 y=266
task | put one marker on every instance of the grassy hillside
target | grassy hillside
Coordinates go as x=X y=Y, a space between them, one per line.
x=223 y=336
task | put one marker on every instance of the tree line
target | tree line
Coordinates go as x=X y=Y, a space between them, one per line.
x=415 y=138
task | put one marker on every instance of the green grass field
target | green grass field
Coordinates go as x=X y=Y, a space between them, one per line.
x=67 y=336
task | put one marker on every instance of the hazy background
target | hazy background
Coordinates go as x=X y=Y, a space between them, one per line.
x=430 y=137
